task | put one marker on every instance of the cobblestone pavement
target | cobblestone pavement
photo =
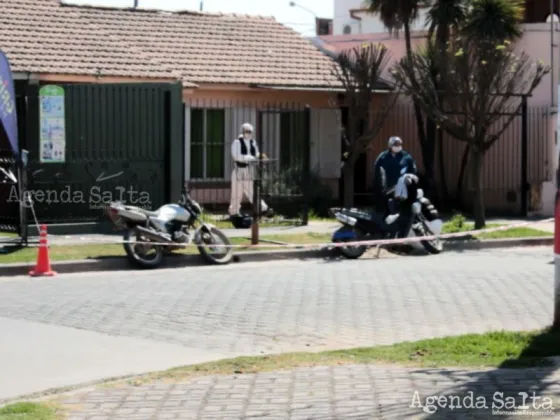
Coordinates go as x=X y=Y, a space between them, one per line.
x=288 y=306
x=359 y=392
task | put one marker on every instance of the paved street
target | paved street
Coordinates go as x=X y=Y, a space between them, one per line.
x=274 y=307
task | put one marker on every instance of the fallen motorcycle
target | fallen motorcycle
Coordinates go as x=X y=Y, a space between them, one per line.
x=421 y=219
x=151 y=234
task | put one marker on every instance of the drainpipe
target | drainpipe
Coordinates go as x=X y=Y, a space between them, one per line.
x=358 y=18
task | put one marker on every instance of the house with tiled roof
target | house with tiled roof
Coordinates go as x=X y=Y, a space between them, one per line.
x=232 y=69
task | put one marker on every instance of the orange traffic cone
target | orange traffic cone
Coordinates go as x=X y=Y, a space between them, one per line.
x=43 y=266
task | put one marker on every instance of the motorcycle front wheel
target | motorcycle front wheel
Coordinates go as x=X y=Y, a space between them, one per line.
x=208 y=236
x=433 y=246
x=139 y=253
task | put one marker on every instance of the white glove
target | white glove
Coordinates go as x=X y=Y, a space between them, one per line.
x=410 y=178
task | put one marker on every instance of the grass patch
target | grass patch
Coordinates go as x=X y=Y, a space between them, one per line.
x=494 y=349
x=29 y=411
x=8 y=235
x=458 y=224
x=100 y=250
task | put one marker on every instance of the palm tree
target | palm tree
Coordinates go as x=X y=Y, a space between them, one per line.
x=443 y=21
x=490 y=22
x=397 y=14
x=494 y=21
x=444 y=18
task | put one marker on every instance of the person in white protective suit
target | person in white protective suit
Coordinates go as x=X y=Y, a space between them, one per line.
x=245 y=154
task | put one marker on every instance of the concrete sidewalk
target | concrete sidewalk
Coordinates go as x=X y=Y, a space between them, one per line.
x=319 y=227
x=39 y=356
x=359 y=392
x=313 y=227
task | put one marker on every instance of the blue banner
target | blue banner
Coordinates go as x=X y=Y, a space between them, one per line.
x=8 y=117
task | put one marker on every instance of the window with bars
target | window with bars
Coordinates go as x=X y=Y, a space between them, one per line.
x=207 y=143
x=292 y=139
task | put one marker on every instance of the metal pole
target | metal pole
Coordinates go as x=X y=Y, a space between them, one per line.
x=524 y=153
x=556 y=319
x=552 y=75
x=257 y=184
x=306 y=166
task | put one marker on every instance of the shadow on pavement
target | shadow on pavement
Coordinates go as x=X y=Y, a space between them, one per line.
x=505 y=391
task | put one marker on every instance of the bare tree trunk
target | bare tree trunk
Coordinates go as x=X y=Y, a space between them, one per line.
x=444 y=190
x=348 y=183
x=460 y=179
x=476 y=165
x=429 y=157
x=556 y=316
x=427 y=149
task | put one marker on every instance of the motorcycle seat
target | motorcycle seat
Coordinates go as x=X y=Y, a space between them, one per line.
x=148 y=213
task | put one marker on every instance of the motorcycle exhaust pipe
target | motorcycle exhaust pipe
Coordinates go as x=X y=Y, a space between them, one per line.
x=153 y=236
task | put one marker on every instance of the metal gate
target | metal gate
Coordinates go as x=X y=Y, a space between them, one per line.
x=284 y=133
x=9 y=192
x=123 y=143
x=11 y=217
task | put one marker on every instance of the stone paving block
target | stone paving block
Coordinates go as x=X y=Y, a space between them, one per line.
x=328 y=306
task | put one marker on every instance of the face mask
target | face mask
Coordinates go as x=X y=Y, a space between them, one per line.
x=247 y=136
x=396 y=149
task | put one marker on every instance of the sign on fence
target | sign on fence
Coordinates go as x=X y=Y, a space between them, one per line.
x=53 y=126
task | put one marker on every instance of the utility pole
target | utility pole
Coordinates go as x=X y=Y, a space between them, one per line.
x=556 y=320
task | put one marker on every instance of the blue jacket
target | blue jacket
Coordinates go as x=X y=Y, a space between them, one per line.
x=394 y=166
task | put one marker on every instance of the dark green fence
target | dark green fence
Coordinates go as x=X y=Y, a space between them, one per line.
x=123 y=143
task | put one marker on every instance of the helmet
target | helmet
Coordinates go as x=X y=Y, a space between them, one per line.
x=246 y=128
x=395 y=141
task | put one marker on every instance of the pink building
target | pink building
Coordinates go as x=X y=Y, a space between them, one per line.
x=503 y=163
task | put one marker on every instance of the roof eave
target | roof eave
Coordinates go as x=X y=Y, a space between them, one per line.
x=317 y=88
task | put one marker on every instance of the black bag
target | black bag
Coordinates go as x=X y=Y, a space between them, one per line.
x=241 y=221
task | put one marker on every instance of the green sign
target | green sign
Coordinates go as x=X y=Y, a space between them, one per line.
x=52 y=124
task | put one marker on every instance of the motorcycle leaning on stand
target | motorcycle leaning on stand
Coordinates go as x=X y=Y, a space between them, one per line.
x=167 y=229
x=418 y=217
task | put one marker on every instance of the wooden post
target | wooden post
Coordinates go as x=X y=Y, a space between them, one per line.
x=257 y=184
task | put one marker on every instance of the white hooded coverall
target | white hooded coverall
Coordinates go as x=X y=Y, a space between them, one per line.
x=242 y=177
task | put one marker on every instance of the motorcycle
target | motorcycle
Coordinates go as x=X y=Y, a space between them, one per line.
x=418 y=217
x=170 y=225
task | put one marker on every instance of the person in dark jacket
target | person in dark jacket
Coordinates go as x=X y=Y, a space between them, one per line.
x=390 y=165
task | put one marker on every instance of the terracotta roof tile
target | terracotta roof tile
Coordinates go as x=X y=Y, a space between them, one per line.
x=46 y=37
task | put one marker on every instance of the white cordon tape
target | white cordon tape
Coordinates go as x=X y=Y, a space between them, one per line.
x=333 y=244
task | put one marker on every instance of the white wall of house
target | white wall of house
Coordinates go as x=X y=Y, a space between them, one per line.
x=325 y=141
x=369 y=24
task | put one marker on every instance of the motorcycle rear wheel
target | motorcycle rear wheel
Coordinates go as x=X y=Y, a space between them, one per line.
x=136 y=252
x=433 y=246
x=352 y=252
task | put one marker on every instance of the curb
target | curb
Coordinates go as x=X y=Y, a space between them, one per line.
x=171 y=261
x=498 y=243
x=178 y=261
